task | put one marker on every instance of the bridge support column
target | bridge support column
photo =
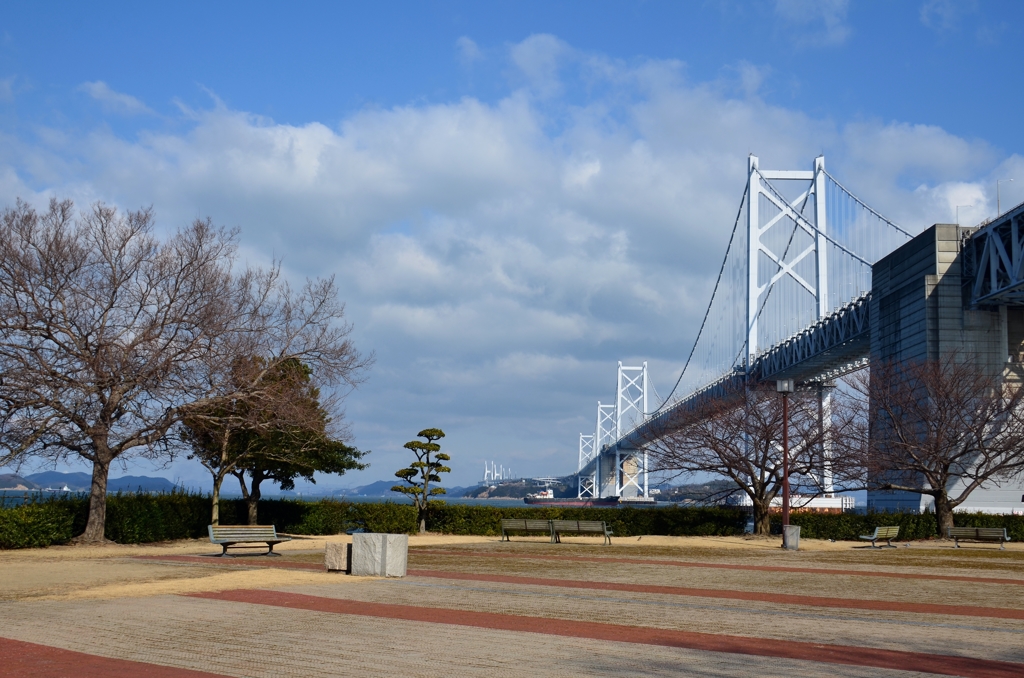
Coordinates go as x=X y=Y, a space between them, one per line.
x=631 y=475
x=825 y=392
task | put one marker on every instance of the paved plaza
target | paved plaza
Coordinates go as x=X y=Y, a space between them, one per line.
x=655 y=606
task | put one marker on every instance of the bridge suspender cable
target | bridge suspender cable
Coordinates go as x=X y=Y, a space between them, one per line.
x=725 y=259
x=826 y=236
x=798 y=218
x=866 y=206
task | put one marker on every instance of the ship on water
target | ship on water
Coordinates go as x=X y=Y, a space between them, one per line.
x=547 y=498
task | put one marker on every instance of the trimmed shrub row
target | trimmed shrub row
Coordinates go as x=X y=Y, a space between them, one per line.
x=849 y=526
x=142 y=518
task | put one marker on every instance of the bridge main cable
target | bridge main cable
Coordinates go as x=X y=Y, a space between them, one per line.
x=707 y=312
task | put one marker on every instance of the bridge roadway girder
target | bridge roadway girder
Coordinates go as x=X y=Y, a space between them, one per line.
x=828 y=349
x=994 y=261
x=918 y=296
x=831 y=347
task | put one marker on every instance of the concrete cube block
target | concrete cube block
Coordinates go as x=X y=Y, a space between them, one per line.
x=337 y=557
x=791 y=537
x=379 y=555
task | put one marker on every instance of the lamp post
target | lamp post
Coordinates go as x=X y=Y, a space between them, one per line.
x=785 y=387
x=998 y=205
x=959 y=206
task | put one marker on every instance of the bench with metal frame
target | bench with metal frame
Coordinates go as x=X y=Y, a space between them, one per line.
x=580 y=527
x=524 y=525
x=978 y=534
x=888 y=533
x=236 y=536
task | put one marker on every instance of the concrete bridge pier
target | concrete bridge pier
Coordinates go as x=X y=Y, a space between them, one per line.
x=919 y=311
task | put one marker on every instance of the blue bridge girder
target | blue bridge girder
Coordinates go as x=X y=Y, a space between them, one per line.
x=840 y=343
x=835 y=345
x=993 y=259
x=828 y=349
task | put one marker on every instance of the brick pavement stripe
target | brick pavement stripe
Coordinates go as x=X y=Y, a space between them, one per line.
x=763 y=647
x=783 y=598
x=722 y=566
x=21 y=660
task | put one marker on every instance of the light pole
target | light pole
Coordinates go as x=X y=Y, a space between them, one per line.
x=998 y=205
x=959 y=206
x=785 y=387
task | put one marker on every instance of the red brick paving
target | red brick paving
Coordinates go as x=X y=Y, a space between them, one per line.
x=22 y=660
x=783 y=598
x=724 y=566
x=763 y=647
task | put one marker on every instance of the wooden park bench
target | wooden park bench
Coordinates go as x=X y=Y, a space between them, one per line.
x=580 y=527
x=235 y=536
x=978 y=534
x=524 y=525
x=888 y=533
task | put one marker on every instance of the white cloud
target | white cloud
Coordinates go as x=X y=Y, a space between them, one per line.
x=823 y=22
x=498 y=265
x=752 y=77
x=469 y=52
x=7 y=89
x=945 y=15
x=114 y=102
x=539 y=58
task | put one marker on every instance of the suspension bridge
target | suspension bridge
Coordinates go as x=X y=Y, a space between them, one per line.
x=813 y=285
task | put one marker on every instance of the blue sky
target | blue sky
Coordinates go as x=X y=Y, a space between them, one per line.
x=513 y=195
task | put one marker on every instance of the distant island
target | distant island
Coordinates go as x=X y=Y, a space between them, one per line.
x=81 y=482
x=382 y=488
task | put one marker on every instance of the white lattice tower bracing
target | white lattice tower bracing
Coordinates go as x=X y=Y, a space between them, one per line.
x=630 y=411
x=759 y=186
x=587 y=486
x=605 y=433
x=587 y=450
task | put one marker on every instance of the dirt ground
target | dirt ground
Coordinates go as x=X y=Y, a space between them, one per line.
x=115 y=571
x=716 y=607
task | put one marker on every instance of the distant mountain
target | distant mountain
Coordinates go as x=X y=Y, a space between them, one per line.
x=139 y=484
x=76 y=482
x=81 y=482
x=382 y=488
x=11 y=481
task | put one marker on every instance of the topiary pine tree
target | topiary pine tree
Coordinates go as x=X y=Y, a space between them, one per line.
x=423 y=471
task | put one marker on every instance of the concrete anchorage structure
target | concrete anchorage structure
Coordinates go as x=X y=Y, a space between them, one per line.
x=954 y=289
x=947 y=289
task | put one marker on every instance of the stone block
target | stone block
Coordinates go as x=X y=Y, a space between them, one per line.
x=791 y=537
x=379 y=555
x=338 y=557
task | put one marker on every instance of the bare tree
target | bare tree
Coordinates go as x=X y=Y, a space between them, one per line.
x=932 y=427
x=109 y=337
x=739 y=436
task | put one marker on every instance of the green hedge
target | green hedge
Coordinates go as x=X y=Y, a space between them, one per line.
x=33 y=525
x=849 y=526
x=142 y=518
x=625 y=522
